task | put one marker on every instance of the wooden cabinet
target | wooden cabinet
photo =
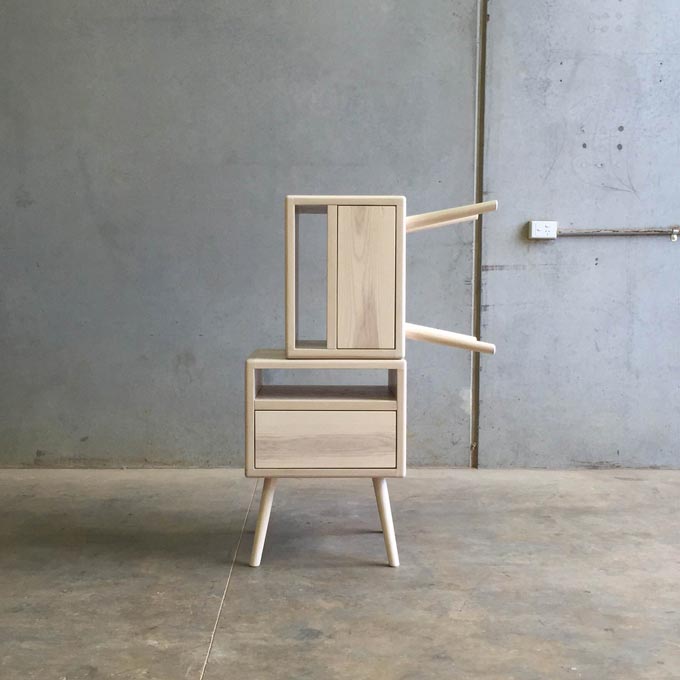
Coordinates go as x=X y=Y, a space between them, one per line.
x=365 y=276
x=297 y=430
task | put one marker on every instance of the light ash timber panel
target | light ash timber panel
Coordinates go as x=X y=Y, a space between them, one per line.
x=326 y=398
x=301 y=348
x=263 y=359
x=332 y=278
x=325 y=439
x=277 y=358
x=366 y=271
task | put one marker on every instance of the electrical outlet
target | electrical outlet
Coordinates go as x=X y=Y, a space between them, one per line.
x=542 y=229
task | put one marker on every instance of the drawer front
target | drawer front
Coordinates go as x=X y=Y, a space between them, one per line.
x=325 y=439
x=366 y=274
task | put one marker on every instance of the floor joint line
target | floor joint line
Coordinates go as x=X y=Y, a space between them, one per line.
x=226 y=585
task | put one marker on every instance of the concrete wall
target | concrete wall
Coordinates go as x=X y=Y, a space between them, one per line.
x=582 y=126
x=145 y=150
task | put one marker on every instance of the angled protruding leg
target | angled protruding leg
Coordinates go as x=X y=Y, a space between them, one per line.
x=263 y=520
x=382 y=497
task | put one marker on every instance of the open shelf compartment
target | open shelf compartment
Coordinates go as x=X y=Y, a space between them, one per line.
x=326 y=397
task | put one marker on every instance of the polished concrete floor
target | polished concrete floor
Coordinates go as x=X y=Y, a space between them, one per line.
x=505 y=574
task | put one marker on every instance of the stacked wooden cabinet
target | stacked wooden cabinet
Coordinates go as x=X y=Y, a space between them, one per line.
x=343 y=430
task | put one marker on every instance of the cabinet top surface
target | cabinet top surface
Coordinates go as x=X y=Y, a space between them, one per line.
x=276 y=358
x=347 y=200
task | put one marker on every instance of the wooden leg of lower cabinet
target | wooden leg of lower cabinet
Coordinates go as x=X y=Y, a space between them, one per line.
x=263 y=520
x=382 y=497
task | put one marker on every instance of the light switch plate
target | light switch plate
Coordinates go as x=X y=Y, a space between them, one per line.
x=542 y=229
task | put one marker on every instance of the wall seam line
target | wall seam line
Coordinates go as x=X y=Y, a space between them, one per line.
x=480 y=102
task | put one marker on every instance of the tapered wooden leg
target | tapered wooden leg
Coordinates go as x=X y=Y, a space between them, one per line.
x=263 y=520
x=382 y=497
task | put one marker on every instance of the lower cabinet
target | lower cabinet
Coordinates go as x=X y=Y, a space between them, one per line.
x=312 y=430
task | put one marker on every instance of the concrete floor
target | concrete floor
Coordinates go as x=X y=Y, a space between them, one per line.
x=505 y=574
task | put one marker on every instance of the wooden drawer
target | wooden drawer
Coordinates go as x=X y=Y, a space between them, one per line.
x=325 y=439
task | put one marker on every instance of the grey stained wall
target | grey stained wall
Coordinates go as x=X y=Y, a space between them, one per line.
x=582 y=127
x=145 y=150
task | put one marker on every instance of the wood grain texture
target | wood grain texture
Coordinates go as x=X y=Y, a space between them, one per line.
x=336 y=399
x=300 y=348
x=326 y=397
x=449 y=338
x=441 y=218
x=253 y=382
x=325 y=439
x=311 y=203
x=266 y=501
x=276 y=358
x=332 y=277
x=397 y=383
x=319 y=473
x=382 y=498
x=291 y=273
x=366 y=270
x=317 y=350
x=400 y=283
